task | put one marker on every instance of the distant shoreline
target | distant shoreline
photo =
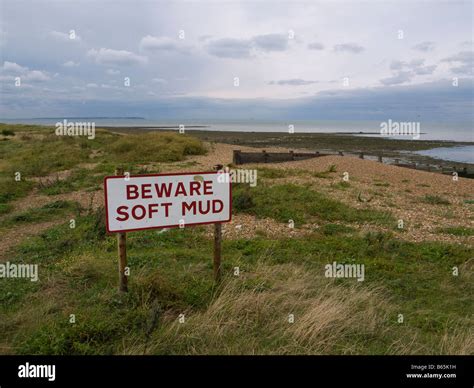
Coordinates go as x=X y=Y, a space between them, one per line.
x=355 y=142
x=350 y=143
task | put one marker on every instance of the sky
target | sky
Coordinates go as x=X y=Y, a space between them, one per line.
x=237 y=59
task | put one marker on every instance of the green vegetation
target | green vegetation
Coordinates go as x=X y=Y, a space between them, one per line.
x=336 y=229
x=5 y=208
x=8 y=132
x=156 y=147
x=46 y=212
x=39 y=151
x=457 y=231
x=341 y=185
x=435 y=200
x=275 y=173
x=381 y=184
x=79 y=178
x=325 y=174
x=171 y=271
x=10 y=189
x=171 y=274
x=301 y=204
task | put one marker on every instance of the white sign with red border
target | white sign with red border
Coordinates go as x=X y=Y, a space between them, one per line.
x=167 y=200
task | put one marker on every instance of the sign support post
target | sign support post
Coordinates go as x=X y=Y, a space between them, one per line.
x=153 y=201
x=217 y=250
x=122 y=251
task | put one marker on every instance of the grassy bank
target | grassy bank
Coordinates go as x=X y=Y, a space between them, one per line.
x=174 y=306
x=37 y=157
x=171 y=274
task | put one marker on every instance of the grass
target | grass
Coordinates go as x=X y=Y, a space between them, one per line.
x=7 y=132
x=457 y=231
x=435 y=200
x=325 y=174
x=341 y=185
x=381 y=184
x=156 y=147
x=301 y=204
x=79 y=178
x=10 y=189
x=5 y=208
x=336 y=229
x=171 y=274
x=275 y=173
x=39 y=151
x=46 y=212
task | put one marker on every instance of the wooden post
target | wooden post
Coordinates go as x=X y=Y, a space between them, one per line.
x=217 y=250
x=122 y=252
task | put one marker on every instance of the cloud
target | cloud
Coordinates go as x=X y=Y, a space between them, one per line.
x=315 y=46
x=243 y=48
x=13 y=68
x=230 y=48
x=70 y=64
x=112 y=72
x=463 y=62
x=424 y=70
x=271 y=42
x=429 y=101
x=3 y=37
x=396 y=65
x=36 y=76
x=349 y=47
x=424 y=46
x=405 y=71
x=259 y=32
x=293 y=82
x=417 y=67
x=23 y=72
x=400 y=78
x=106 y=56
x=161 y=44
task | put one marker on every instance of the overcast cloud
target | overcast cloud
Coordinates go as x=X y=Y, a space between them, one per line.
x=245 y=59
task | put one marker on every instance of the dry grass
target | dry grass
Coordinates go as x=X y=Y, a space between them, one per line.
x=251 y=316
x=458 y=343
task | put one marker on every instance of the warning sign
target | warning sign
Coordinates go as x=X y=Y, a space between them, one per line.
x=167 y=200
